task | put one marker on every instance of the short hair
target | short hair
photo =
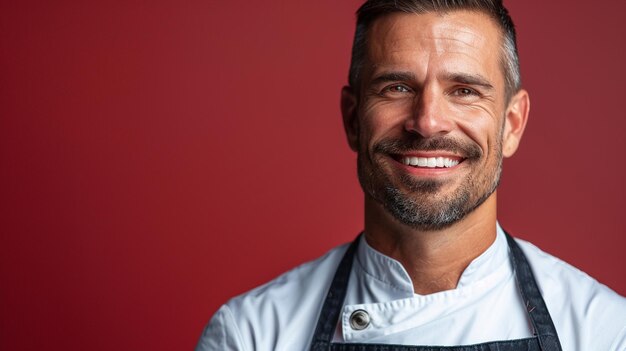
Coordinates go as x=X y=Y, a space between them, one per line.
x=374 y=9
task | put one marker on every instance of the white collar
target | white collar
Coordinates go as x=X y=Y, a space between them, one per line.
x=391 y=272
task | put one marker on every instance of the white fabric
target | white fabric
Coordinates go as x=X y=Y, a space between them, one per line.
x=485 y=306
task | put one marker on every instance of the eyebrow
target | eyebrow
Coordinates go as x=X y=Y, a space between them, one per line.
x=393 y=77
x=463 y=78
x=470 y=79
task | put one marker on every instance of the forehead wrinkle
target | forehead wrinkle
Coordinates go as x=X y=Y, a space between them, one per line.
x=449 y=45
x=447 y=38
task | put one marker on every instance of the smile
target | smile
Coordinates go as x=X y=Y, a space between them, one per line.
x=429 y=162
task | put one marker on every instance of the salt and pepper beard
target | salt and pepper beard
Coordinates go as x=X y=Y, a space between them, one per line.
x=420 y=206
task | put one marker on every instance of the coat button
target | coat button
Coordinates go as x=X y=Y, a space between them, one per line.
x=359 y=320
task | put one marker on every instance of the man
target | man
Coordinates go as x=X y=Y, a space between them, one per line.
x=434 y=104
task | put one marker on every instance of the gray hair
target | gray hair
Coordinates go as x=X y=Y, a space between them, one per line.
x=374 y=9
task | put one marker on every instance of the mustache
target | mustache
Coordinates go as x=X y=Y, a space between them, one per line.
x=398 y=146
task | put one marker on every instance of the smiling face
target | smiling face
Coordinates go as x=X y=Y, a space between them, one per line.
x=429 y=121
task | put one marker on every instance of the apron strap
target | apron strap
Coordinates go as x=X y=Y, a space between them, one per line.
x=535 y=305
x=327 y=321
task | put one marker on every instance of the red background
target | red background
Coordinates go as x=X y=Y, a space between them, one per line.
x=159 y=157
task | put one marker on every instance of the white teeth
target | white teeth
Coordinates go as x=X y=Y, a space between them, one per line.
x=430 y=162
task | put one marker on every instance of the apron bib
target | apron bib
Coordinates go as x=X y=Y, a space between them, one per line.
x=545 y=338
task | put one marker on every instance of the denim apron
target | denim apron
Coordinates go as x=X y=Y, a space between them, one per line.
x=545 y=338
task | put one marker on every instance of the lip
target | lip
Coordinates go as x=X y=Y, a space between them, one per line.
x=446 y=154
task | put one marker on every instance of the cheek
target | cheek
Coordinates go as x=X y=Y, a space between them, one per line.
x=481 y=127
x=384 y=120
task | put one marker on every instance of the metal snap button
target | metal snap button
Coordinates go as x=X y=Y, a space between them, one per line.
x=359 y=320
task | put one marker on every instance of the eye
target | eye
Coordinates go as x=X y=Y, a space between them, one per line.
x=462 y=92
x=396 y=88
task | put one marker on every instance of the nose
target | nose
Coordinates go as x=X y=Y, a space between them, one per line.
x=429 y=117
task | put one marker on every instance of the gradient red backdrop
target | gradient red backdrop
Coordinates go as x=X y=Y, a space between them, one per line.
x=159 y=157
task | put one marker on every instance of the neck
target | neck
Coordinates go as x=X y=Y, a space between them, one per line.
x=434 y=259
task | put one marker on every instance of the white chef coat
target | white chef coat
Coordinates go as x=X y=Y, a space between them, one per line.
x=485 y=306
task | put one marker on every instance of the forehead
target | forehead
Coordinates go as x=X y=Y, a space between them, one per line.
x=455 y=41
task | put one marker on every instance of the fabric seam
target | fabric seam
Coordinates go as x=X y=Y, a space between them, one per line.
x=235 y=327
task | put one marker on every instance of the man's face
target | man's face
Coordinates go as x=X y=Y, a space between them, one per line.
x=430 y=115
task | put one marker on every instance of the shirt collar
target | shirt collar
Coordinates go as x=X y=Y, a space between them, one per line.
x=391 y=272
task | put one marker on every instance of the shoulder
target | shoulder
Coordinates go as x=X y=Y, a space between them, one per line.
x=556 y=276
x=261 y=319
x=580 y=306
x=287 y=292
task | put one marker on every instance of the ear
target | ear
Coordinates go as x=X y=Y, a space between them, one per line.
x=350 y=119
x=516 y=117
